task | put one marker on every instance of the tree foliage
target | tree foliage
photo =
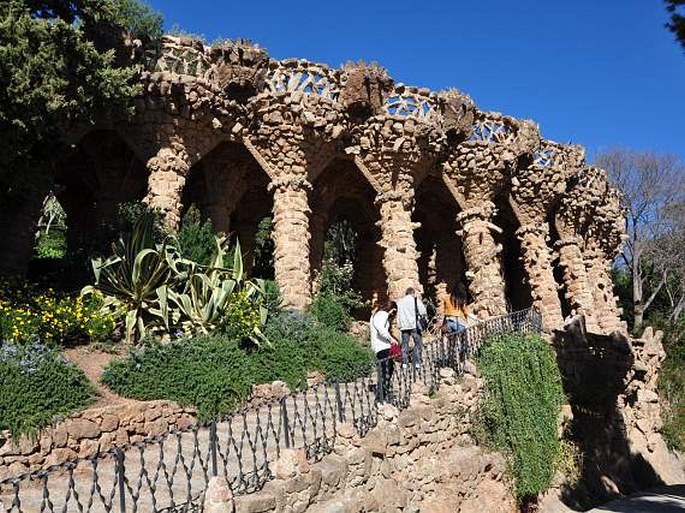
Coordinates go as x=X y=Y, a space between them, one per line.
x=62 y=63
x=677 y=22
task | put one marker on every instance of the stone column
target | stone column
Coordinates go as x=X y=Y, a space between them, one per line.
x=397 y=240
x=168 y=171
x=607 y=310
x=537 y=262
x=291 y=239
x=483 y=261
x=576 y=280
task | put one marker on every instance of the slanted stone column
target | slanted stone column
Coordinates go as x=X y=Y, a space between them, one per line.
x=483 y=258
x=397 y=239
x=168 y=172
x=291 y=239
x=537 y=262
x=535 y=191
x=607 y=310
x=576 y=280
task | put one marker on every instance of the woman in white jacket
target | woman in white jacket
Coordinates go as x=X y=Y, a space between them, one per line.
x=381 y=341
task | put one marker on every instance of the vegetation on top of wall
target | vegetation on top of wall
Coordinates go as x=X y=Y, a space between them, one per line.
x=522 y=404
x=37 y=385
x=27 y=312
x=215 y=373
x=153 y=289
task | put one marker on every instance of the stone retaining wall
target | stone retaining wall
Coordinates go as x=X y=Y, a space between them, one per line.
x=90 y=431
x=418 y=459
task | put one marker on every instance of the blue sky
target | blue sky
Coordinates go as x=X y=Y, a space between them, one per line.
x=599 y=73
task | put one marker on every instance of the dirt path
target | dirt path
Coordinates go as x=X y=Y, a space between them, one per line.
x=93 y=363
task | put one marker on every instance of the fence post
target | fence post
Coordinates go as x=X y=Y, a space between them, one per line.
x=380 y=386
x=284 y=420
x=212 y=445
x=338 y=400
x=121 y=469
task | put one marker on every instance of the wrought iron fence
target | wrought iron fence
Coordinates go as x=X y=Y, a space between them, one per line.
x=169 y=473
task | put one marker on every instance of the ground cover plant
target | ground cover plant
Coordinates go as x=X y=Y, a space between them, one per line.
x=38 y=385
x=215 y=373
x=28 y=311
x=521 y=407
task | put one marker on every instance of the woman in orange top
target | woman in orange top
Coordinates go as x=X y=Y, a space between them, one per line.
x=457 y=313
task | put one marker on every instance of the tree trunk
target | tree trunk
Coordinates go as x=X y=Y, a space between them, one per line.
x=638 y=306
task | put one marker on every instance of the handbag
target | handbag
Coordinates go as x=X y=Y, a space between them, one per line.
x=421 y=321
x=396 y=352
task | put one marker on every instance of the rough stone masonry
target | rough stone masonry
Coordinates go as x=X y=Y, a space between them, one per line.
x=437 y=189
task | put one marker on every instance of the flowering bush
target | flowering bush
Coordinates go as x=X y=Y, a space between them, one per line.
x=242 y=317
x=55 y=318
x=37 y=385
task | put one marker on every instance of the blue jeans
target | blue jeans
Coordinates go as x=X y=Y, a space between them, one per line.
x=418 y=346
x=455 y=325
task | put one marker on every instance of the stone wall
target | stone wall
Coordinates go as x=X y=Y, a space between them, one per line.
x=86 y=433
x=612 y=384
x=418 y=459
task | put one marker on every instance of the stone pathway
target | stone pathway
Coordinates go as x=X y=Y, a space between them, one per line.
x=666 y=499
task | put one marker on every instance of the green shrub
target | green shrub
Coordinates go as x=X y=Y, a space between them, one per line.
x=211 y=373
x=196 y=239
x=330 y=310
x=215 y=373
x=521 y=407
x=37 y=385
x=672 y=384
x=52 y=244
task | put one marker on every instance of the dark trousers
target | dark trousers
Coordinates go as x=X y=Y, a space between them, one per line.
x=386 y=367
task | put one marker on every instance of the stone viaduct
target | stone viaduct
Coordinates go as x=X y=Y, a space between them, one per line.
x=437 y=189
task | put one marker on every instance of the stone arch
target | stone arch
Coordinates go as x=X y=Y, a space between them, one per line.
x=340 y=191
x=230 y=188
x=99 y=175
x=517 y=289
x=441 y=259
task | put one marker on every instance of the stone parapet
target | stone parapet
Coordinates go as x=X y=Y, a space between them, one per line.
x=419 y=459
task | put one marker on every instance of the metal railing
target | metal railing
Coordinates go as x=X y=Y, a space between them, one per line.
x=170 y=472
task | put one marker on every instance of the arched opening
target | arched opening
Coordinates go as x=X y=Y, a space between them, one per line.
x=343 y=199
x=229 y=187
x=517 y=288
x=557 y=270
x=441 y=259
x=91 y=184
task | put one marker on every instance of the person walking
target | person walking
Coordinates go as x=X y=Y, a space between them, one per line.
x=456 y=310
x=458 y=316
x=409 y=310
x=381 y=344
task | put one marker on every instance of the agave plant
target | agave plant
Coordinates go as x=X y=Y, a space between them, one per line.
x=135 y=281
x=207 y=292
